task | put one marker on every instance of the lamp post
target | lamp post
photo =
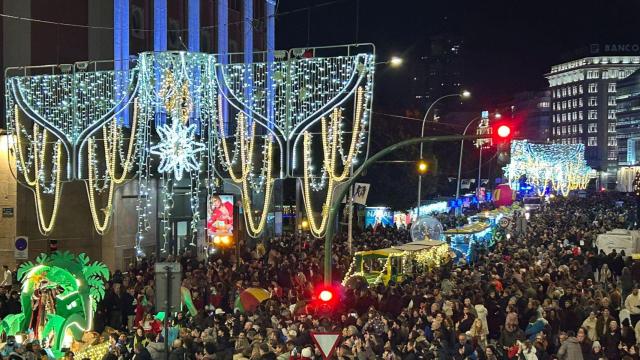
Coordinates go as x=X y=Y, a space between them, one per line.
x=465 y=94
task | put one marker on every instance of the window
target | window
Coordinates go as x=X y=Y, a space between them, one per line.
x=611 y=127
x=564 y=91
x=612 y=101
x=612 y=141
x=580 y=115
x=575 y=103
x=575 y=129
x=593 y=127
x=593 y=101
x=611 y=115
x=593 y=114
x=613 y=155
x=605 y=74
x=580 y=89
x=564 y=117
x=580 y=128
x=575 y=90
x=564 y=105
x=581 y=103
x=621 y=74
x=575 y=115
x=612 y=87
x=592 y=141
x=553 y=130
x=593 y=88
x=564 y=141
x=592 y=74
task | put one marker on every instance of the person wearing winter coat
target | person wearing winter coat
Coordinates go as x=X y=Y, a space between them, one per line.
x=570 y=349
x=534 y=327
x=156 y=350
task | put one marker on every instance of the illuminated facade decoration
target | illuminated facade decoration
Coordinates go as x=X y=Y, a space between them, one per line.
x=548 y=167
x=60 y=294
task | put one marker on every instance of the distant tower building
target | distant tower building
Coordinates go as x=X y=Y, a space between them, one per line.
x=583 y=107
x=440 y=72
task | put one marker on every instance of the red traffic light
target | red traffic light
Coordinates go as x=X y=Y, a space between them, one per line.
x=504 y=131
x=326 y=295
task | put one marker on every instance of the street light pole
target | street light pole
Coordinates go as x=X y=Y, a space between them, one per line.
x=464 y=94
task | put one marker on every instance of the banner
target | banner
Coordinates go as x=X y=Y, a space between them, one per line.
x=378 y=216
x=220 y=215
x=360 y=193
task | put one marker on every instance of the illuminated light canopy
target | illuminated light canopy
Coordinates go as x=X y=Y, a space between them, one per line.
x=177 y=149
x=548 y=167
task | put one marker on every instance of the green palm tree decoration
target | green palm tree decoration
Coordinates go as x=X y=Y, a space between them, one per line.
x=81 y=286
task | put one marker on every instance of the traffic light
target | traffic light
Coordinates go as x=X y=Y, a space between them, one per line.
x=502 y=132
x=326 y=299
x=502 y=135
x=422 y=167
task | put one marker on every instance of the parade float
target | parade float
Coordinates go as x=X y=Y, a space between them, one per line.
x=59 y=296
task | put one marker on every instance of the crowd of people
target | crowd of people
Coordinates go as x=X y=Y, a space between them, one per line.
x=543 y=293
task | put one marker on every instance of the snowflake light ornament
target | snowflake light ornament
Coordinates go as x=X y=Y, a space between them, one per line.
x=177 y=149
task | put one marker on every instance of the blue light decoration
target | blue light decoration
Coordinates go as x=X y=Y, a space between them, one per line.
x=248 y=56
x=194 y=25
x=270 y=10
x=548 y=167
x=223 y=52
x=159 y=45
x=121 y=50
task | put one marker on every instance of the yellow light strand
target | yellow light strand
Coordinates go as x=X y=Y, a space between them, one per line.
x=44 y=226
x=330 y=162
x=127 y=163
x=23 y=163
x=253 y=229
x=100 y=227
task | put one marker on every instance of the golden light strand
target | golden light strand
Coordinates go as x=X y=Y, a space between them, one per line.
x=100 y=227
x=330 y=161
x=253 y=229
x=45 y=228
x=23 y=163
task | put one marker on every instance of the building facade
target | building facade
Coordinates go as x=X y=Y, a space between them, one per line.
x=628 y=119
x=583 y=107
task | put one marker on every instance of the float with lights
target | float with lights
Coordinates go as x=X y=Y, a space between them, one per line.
x=59 y=296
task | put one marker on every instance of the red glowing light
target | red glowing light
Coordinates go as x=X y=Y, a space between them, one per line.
x=504 y=131
x=326 y=295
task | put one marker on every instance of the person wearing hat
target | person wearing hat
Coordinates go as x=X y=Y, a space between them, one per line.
x=306 y=353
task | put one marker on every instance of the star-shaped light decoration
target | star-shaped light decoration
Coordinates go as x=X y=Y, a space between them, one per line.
x=177 y=149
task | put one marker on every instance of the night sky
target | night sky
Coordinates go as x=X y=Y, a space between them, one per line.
x=510 y=44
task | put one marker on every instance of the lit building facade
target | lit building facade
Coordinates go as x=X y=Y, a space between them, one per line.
x=628 y=119
x=583 y=107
